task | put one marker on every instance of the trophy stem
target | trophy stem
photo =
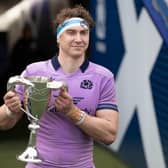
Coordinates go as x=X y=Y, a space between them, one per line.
x=31 y=154
x=33 y=126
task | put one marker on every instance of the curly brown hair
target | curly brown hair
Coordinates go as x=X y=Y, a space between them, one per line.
x=67 y=13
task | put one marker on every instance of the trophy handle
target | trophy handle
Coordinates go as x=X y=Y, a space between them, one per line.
x=29 y=114
x=19 y=80
x=56 y=85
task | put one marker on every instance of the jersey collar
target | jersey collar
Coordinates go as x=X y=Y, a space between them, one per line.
x=57 y=65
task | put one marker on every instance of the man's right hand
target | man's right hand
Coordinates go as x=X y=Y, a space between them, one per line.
x=12 y=101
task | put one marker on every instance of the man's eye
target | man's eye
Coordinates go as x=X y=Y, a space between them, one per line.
x=70 y=32
x=84 y=32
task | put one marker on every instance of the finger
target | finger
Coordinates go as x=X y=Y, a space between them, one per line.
x=9 y=94
x=64 y=94
x=12 y=100
x=64 y=89
x=13 y=105
x=58 y=102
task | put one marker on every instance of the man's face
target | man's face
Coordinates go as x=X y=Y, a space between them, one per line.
x=74 y=41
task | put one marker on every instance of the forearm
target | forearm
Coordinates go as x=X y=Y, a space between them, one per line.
x=99 y=127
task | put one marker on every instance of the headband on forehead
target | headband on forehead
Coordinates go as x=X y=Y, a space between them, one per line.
x=75 y=21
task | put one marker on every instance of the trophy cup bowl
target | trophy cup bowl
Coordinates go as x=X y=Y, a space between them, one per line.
x=37 y=93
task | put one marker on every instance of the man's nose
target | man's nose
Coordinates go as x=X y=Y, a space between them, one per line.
x=78 y=37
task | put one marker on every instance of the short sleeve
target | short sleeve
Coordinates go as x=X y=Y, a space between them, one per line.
x=107 y=98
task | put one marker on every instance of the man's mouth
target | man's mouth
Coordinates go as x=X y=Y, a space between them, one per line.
x=78 y=46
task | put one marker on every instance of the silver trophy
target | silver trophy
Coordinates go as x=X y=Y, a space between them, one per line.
x=36 y=90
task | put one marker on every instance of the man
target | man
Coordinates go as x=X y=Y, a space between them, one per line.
x=86 y=111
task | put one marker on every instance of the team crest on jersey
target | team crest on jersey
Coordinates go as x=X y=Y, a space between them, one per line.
x=86 y=84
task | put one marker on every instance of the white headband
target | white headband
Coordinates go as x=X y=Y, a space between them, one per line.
x=75 y=21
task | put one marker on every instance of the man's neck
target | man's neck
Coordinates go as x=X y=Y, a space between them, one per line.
x=70 y=64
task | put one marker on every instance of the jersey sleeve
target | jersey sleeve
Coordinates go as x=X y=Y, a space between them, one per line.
x=107 y=98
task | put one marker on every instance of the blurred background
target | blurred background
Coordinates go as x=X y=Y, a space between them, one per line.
x=131 y=39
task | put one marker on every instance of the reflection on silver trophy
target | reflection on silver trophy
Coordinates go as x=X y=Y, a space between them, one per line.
x=36 y=93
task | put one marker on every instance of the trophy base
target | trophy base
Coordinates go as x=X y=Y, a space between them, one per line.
x=30 y=155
